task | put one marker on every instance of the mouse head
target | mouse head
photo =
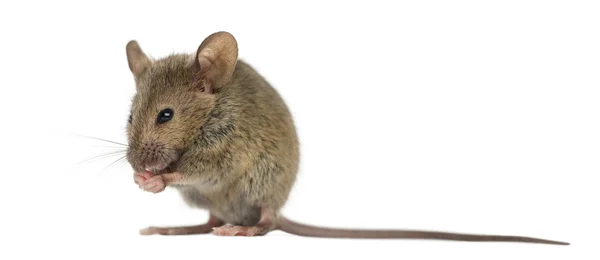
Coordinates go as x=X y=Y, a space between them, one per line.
x=173 y=98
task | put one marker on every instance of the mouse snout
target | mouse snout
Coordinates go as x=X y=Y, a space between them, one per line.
x=152 y=156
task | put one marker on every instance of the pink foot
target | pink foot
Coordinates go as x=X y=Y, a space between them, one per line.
x=230 y=230
x=147 y=182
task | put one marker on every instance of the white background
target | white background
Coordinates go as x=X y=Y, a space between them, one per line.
x=448 y=115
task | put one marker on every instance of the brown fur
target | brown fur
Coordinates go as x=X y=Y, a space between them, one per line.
x=238 y=144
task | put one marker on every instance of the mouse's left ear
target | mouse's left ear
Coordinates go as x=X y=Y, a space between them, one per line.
x=137 y=59
x=216 y=59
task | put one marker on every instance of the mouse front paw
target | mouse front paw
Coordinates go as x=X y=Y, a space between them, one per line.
x=147 y=182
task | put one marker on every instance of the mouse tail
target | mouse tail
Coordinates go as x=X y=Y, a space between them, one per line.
x=295 y=228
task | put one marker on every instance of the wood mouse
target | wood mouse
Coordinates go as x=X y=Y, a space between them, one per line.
x=210 y=126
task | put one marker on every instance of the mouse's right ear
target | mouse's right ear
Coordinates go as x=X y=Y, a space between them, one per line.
x=138 y=61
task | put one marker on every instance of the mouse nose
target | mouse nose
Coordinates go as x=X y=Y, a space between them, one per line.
x=152 y=167
x=151 y=147
x=149 y=152
x=154 y=156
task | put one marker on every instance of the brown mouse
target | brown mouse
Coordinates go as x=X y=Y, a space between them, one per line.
x=208 y=125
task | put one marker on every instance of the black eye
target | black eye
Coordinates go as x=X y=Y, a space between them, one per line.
x=130 y=118
x=164 y=116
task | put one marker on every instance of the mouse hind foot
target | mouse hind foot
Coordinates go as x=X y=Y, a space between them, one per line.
x=264 y=226
x=231 y=230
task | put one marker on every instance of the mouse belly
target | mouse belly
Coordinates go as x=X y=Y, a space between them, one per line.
x=237 y=214
x=193 y=198
x=235 y=211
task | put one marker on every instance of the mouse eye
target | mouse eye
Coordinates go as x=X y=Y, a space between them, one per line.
x=164 y=116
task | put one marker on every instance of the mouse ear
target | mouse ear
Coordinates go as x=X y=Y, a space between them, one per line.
x=138 y=61
x=216 y=58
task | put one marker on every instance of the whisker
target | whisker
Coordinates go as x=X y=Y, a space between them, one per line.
x=162 y=146
x=170 y=157
x=100 y=139
x=123 y=162
x=106 y=146
x=102 y=156
x=113 y=163
x=162 y=156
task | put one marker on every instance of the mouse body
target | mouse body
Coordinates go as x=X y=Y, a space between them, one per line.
x=210 y=126
x=246 y=154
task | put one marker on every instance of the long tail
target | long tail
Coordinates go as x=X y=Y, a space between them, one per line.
x=295 y=228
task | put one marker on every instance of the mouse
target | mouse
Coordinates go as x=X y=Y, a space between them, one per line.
x=208 y=125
